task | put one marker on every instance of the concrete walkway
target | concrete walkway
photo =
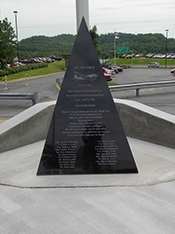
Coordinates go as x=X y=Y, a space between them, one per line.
x=122 y=203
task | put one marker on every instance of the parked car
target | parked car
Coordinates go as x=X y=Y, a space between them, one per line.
x=155 y=64
x=149 y=55
x=13 y=64
x=172 y=71
x=140 y=55
x=115 y=70
x=110 y=67
x=118 y=67
x=172 y=56
x=108 y=71
x=107 y=75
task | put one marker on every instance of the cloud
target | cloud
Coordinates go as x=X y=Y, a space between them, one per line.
x=55 y=17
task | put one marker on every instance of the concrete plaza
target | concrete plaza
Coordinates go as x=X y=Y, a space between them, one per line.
x=118 y=203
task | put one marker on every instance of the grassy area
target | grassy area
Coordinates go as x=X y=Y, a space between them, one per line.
x=52 y=68
x=111 y=83
x=142 y=61
x=60 y=66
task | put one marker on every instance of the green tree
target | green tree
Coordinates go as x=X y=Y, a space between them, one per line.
x=7 y=43
x=39 y=46
x=94 y=36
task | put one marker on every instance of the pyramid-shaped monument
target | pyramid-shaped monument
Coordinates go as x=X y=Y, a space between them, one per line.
x=85 y=135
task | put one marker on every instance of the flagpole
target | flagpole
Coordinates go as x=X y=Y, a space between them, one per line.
x=114 y=49
x=116 y=36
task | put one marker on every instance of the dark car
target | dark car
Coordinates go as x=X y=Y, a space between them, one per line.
x=172 y=71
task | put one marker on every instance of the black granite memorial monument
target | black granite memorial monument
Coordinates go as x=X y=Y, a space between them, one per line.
x=85 y=135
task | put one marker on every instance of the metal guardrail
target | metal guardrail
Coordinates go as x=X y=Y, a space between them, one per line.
x=22 y=96
x=143 y=85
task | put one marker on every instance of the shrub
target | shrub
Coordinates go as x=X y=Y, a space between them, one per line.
x=3 y=73
x=13 y=70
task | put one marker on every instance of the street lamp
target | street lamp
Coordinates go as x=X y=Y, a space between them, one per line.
x=15 y=12
x=166 y=47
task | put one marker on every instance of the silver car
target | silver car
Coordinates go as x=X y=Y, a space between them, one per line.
x=155 y=64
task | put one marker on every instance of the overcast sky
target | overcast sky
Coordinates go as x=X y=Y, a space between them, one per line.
x=54 y=17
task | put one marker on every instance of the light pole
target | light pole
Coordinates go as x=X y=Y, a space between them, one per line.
x=15 y=12
x=166 y=47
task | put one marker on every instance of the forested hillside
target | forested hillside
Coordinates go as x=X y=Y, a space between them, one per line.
x=140 y=43
x=62 y=44
x=43 y=46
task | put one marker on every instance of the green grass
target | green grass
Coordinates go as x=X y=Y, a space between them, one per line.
x=52 y=68
x=60 y=66
x=142 y=61
x=111 y=83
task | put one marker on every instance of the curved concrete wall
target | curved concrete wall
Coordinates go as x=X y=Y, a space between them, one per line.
x=27 y=127
x=139 y=121
x=146 y=123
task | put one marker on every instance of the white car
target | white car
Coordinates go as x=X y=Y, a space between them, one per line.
x=109 y=71
x=155 y=64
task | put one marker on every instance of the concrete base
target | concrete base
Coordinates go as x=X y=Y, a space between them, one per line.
x=119 y=203
x=156 y=164
x=139 y=121
x=123 y=203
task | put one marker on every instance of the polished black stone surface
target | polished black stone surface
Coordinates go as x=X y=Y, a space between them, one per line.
x=85 y=135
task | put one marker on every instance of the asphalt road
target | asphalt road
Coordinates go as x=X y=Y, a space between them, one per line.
x=45 y=86
x=160 y=98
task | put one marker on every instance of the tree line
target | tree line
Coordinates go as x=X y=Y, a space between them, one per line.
x=61 y=45
x=44 y=46
x=140 y=43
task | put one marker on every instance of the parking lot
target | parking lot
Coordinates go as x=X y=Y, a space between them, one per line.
x=160 y=98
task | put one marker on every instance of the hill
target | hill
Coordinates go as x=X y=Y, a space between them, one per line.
x=62 y=44
x=43 y=46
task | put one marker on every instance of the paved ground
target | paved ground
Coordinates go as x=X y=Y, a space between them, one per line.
x=124 y=203
x=160 y=98
x=45 y=86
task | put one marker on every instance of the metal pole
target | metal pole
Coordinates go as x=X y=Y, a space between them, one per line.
x=82 y=10
x=166 y=47
x=114 y=49
x=132 y=59
x=15 y=12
